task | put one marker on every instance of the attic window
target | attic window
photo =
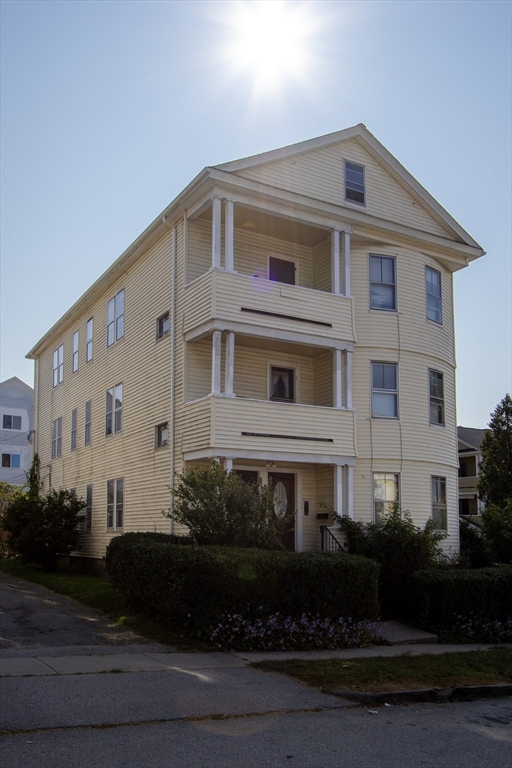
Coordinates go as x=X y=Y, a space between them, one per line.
x=354 y=183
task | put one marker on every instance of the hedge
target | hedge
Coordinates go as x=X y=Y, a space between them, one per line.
x=439 y=598
x=196 y=585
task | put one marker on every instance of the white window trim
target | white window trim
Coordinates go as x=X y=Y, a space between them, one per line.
x=354 y=202
x=58 y=437
x=76 y=342
x=116 y=317
x=74 y=432
x=59 y=368
x=433 y=269
x=12 y=415
x=396 y=364
x=282 y=257
x=115 y=527
x=87 y=509
x=381 y=309
x=442 y=425
x=296 y=381
x=398 y=486
x=114 y=409
x=87 y=423
x=440 y=477
x=89 y=341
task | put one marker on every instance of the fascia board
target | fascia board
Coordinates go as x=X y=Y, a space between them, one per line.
x=150 y=235
x=471 y=447
x=349 y=215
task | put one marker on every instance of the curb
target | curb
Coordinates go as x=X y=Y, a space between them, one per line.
x=429 y=695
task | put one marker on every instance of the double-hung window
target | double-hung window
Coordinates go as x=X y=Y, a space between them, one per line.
x=73 y=429
x=282 y=384
x=75 y=351
x=87 y=430
x=436 y=393
x=162 y=326
x=88 y=508
x=115 y=503
x=354 y=183
x=115 y=318
x=385 y=493
x=439 y=503
x=11 y=422
x=114 y=410
x=382 y=282
x=385 y=390
x=56 y=438
x=88 y=348
x=434 y=304
x=162 y=435
x=58 y=365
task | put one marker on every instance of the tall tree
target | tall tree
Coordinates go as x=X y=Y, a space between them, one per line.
x=495 y=480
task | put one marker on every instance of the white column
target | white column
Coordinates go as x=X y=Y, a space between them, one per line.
x=216 y=358
x=228 y=465
x=216 y=228
x=350 y=492
x=230 y=363
x=338 y=489
x=346 y=263
x=335 y=261
x=338 y=379
x=228 y=235
x=348 y=379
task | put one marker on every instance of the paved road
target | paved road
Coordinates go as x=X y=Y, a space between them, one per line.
x=201 y=710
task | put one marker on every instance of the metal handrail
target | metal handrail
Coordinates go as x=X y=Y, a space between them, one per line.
x=329 y=542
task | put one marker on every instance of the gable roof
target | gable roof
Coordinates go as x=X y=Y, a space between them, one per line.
x=471 y=437
x=17 y=382
x=379 y=153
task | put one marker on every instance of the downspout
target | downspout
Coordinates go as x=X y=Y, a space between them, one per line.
x=173 y=366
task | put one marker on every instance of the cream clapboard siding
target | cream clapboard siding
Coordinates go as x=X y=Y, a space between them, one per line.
x=415 y=491
x=320 y=174
x=322 y=266
x=142 y=365
x=324 y=372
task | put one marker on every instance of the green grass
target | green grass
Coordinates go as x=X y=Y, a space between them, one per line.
x=96 y=592
x=403 y=672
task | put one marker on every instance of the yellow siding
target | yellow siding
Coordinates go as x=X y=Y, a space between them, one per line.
x=322 y=266
x=320 y=174
x=251 y=252
x=323 y=365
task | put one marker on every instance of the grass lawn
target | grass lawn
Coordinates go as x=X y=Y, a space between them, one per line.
x=404 y=672
x=95 y=592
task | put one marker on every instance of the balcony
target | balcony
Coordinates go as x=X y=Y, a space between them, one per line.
x=227 y=424
x=264 y=306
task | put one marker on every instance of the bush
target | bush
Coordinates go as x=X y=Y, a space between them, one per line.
x=400 y=548
x=462 y=604
x=43 y=529
x=497 y=522
x=195 y=587
x=219 y=508
x=474 y=552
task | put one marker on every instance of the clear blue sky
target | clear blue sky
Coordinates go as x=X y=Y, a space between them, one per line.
x=110 y=108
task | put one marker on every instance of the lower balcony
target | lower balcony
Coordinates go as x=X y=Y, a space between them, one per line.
x=228 y=426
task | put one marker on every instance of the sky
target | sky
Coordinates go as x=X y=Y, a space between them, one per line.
x=110 y=108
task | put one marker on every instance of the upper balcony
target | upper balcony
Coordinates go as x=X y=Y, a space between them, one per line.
x=255 y=269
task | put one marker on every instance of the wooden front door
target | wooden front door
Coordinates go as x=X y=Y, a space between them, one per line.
x=283 y=486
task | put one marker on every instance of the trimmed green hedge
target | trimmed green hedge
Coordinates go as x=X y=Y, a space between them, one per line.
x=438 y=597
x=194 y=586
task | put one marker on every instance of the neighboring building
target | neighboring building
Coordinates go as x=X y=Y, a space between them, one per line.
x=469 y=469
x=16 y=405
x=290 y=314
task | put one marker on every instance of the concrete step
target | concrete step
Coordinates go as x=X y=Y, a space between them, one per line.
x=401 y=634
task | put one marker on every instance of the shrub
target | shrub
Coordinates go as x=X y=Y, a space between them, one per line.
x=461 y=603
x=43 y=528
x=219 y=508
x=474 y=552
x=400 y=548
x=497 y=522
x=196 y=587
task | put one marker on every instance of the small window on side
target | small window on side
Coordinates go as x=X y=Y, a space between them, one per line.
x=282 y=384
x=434 y=301
x=439 y=510
x=163 y=326
x=76 y=336
x=161 y=435
x=354 y=183
x=281 y=270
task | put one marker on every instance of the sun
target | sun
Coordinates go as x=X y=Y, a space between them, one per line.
x=270 y=41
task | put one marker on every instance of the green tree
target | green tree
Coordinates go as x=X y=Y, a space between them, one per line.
x=497 y=520
x=219 y=508
x=42 y=528
x=495 y=479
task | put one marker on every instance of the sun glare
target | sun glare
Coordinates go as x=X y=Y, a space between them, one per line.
x=270 y=41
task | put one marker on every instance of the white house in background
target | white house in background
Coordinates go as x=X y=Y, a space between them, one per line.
x=470 y=458
x=289 y=314
x=16 y=407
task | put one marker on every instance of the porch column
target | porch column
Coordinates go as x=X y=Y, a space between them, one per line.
x=216 y=358
x=348 y=379
x=228 y=235
x=350 y=492
x=335 y=261
x=230 y=363
x=216 y=228
x=338 y=489
x=346 y=263
x=228 y=465
x=338 y=379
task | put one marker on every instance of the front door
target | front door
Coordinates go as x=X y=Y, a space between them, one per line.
x=283 y=486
